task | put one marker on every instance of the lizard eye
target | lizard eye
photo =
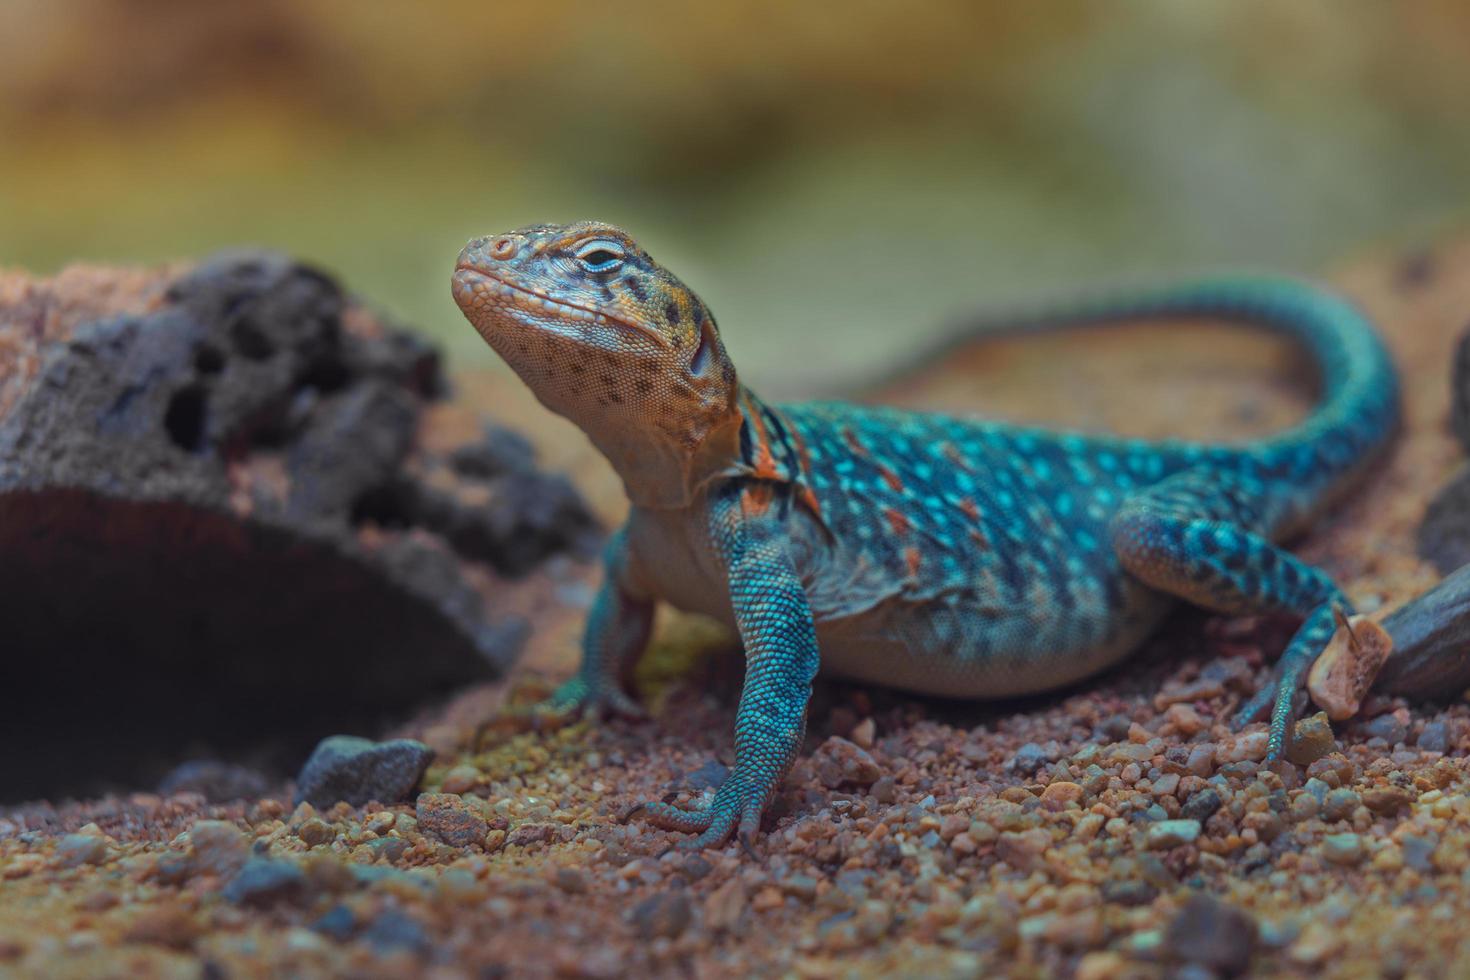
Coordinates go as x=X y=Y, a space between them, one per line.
x=600 y=256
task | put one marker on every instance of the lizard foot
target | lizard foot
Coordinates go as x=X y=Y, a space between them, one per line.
x=1255 y=708
x=579 y=697
x=713 y=824
x=1278 y=700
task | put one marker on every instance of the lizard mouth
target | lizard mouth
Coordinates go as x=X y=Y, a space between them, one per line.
x=471 y=282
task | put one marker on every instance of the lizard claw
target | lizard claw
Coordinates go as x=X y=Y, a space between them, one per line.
x=735 y=810
x=580 y=697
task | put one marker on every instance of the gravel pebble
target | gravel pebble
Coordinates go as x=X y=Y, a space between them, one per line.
x=1390 y=727
x=1418 y=852
x=1211 y=934
x=217 y=847
x=1201 y=806
x=1171 y=833
x=1311 y=739
x=1202 y=759
x=666 y=914
x=315 y=830
x=1029 y=758
x=842 y=763
x=1339 y=804
x=1435 y=737
x=167 y=925
x=393 y=930
x=77 y=849
x=263 y=881
x=1058 y=795
x=451 y=819
x=337 y=922
x=1387 y=799
x=723 y=907
x=1343 y=848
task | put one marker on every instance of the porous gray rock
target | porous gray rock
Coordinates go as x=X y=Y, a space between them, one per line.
x=226 y=522
x=356 y=770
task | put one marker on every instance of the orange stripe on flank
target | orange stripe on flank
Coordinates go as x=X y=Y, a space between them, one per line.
x=971 y=509
x=804 y=460
x=809 y=500
x=897 y=521
x=912 y=556
x=765 y=463
x=895 y=483
x=952 y=453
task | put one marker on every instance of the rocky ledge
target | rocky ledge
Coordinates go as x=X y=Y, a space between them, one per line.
x=236 y=514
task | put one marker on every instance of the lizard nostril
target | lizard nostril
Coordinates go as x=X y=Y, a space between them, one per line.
x=503 y=247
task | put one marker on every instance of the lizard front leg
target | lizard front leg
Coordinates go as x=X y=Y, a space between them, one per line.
x=780 y=640
x=616 y=634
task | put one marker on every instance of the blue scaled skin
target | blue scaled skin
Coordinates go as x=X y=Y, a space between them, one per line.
x=939 y=555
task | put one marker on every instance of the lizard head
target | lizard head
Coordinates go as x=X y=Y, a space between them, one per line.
x=610 y=339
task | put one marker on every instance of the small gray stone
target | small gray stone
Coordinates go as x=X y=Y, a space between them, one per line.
x=337 y=923
x=1202 y=760
x=1340 y=804
x=388 y=849
x=263 y=881
x=1201 y=806
x=666 y=914
x=711 y=775
x=1128 y=891
x=357 y=770
x=1389 y=727
x=1419 y=852
x=1343 y=848
x=217 y=847
x=1212 y=934
x=453 y=820
x=217 y=782
x=1028 y=759
x=1114 y=728
x=1435 y=737
x=77 y=849
x=842 y=763
x=1171 y=833
x=393 y=930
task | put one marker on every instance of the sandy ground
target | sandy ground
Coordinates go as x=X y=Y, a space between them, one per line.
x=1117 y=829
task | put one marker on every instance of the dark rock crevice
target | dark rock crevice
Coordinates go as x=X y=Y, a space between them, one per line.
x=220 y=534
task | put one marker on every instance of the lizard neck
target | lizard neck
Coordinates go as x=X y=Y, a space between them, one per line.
x=667 y=465
x=672 y=470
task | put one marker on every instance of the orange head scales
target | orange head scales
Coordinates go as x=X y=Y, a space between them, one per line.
x=610 y=339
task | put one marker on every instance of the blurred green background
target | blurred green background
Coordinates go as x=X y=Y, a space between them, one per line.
x=835 y=180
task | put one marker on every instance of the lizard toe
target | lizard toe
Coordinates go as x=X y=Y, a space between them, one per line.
x=720 y=828
x=1254 y=709
x=670 y=817
x=579 y=698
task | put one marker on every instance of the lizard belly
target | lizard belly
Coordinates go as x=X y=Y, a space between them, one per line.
x=951 y=649
x=675 y=563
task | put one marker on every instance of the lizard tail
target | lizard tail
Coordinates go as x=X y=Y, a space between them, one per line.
x=1359 y=409
x=1358 y=412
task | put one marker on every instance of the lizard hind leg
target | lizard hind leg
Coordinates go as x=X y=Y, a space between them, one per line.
x=1193 y=537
